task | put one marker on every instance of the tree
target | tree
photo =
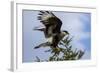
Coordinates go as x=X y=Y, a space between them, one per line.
x=63 y=52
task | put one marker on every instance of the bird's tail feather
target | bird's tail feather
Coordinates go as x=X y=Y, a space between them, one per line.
x=42 y=45
x=39 y=29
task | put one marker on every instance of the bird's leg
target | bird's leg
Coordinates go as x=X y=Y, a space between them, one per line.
x=56 y=50
x=43 y=45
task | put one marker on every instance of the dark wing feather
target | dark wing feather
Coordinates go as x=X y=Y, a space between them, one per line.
x=55 y=40
x=50 y=21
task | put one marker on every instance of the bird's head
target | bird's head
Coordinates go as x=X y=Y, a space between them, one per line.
x=65 y=32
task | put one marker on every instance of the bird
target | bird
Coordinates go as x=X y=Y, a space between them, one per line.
x=52 y=29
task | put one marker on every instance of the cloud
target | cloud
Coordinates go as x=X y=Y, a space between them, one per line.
x=75 y=24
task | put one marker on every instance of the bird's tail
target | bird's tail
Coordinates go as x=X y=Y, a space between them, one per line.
x=39 y=29
x=42 y=45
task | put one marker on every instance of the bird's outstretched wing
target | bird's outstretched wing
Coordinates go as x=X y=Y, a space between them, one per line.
x=51 y=22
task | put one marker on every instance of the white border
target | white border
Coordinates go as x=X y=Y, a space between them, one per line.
x=16 y=61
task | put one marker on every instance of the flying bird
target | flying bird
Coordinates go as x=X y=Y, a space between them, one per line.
x=52 y=29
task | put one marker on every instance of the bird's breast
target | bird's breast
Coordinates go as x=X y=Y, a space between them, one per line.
x=49 y=39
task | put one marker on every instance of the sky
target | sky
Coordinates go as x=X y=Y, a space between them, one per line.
x=76 y=23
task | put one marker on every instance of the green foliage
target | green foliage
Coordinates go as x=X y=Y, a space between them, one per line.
x=63 y=52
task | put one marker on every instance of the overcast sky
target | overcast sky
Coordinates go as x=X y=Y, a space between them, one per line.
x=77 y=24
